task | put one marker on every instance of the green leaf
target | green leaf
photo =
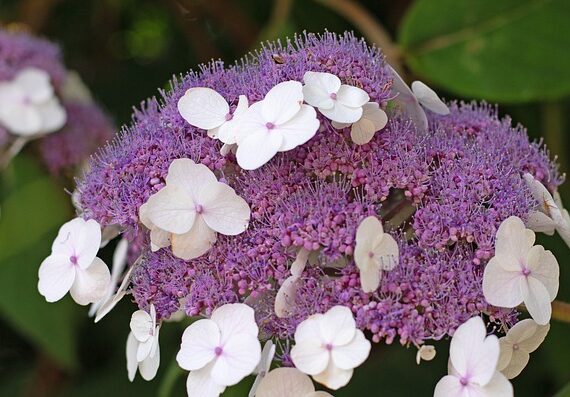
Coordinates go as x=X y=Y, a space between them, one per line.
x=507 y=50
x=564 y=392
x=31 y=213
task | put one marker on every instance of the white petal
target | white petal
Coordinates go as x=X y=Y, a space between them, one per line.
x=203 y=108
x=131 y=353
x=227 y=131
x=108 y=305
x=159 y=238
x=340 y=126
x=199 y=342
x=513 y=238
x=499 y=386
x=537 y=300
x=200 y=384
x=310 y=357
x=257 y=149
x=500 y=286
x=337 y=326
x=149 y=366
x=141 y=325
x=282 y=102
x=373 y=119
x=235 y=318
x=119 y=259
x=333 y=377
x=52 y=114
x=426 y=353
x=342 y=113
x=428 y=98
x=191 y=177
x=450 y=386
x=285 y=382
x=171 y=209
x=21 y=119
x=387 y=252
x=368 y=229
x=78 y=238
x=544 y=267
x=285 y=298
x=267 y=355
x=518 y=360
x=353 y=97
x=224 y=211
x=541 y=223
x=318 y=88
x=35 y=83
x=300 y=129
x=56 y=276
x=195 y=242
x=409 y=104
x=298 y=266
x=352 y=354
x=240 y=356
x=91 y=284
x=532 y=343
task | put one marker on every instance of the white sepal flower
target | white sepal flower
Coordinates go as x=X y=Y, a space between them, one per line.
x=473 y=358
x=375 y=252
x=285 y=298
x=205 y=108
x=336 y=101
x=192 y=207
x=73 y=265
x=278 y=123
x=521 y=272
x=362 y=131
x=263 y=367
x=143 y=350
x=428 y=98
x=521 y=340
x=119 y=263
x=220 y=351
x=28 y=104
x=288 y=382
x=426 y=353
x=329 y=346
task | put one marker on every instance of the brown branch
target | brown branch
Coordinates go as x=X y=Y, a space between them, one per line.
x=561 y=311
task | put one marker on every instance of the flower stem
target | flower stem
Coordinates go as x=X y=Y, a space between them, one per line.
x=561 y=311
x=173 y=372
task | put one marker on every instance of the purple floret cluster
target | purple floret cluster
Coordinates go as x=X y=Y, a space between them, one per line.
x=442 y=194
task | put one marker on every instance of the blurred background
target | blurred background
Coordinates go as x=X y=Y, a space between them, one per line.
x=511 y=52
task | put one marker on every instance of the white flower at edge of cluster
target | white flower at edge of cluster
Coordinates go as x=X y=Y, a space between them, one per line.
x=28 y=104
x=278 y=123
x=362 y=131
x=473 y=358
x=263 y=367
x=143 y=350
x=426 y=353
x=521 y=272
x=521 y=340
x=220 y=351
x=119 y=263
x=329 y=346
x=205 y=108
x=551 y=215
x=288 y=382
x=411 y=100
x=336 y=101
x=73 y=265
x=374 y=253
x=192 y=207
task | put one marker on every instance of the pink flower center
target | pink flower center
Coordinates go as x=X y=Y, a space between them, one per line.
x=525 y=271
x=515 y=347
x=199 y=209
x=218 y=351
x=333 y=96
x=329 y=346
x=371 y=254
x=73 y=259
x=270 y=126
x=464 y=381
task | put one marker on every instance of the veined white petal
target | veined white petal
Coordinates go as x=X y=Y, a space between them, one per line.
x=189 y=176
x=282 y=102
x=353 y=97
x=90 y=284
x=408 y=103
x=310 y=357
x=337 y=326
x=239 y=357
x=299 y=129
x=333 y=377
x=131 y=353
x=352 y=354
x=149 y=366
x=537 y=300
x=513 y=238
x=543 y=266
x=285 y=382
x=110 y=303
x=235 y=318
x=501 y=287
x=373 y=119
x=200 y=383
x=203 y=108
x=428 y=98
x=171 y=209
x=141 y=325
x=199 y=342
x=257 y=149
x=56 y=276
x=194 y=243
x=318 y=89
x=342 y=113
x=541 y=223
x=285 y=298
x=426 y=353
x=224 y=211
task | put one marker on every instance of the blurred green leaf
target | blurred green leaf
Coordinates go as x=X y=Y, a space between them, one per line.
x=509 y=50
x=31 y=213
x=564 y=392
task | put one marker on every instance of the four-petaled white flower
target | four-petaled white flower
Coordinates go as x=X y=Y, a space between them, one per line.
x=278 y=123
x=521 y=272
x=288 y=382
x=28 y=105
x=220 y=351
x=143 y=350
x=362 y=131
x=473 y=358
x=191 y=208
x=205 y=108
x=336 y=101
x=426 y=353
x=516 y=346
x=329 y=346
x=119 y=263
x=550 y=215
x=374 y=253
x=73 y=265
x=263 y=367
x=411 y=100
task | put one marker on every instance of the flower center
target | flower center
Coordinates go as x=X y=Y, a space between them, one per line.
x=333 y=96
x=199 y=208
x=525 y=271
x=329 y=346
x=73 y=259
x=464 y=381
x=515 y=346
x=270 y=126
x=371 y=254
x=218 y=351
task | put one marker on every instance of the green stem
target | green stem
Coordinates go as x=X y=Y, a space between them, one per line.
x=169 y=379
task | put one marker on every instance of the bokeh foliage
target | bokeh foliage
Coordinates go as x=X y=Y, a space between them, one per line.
x=514 y=52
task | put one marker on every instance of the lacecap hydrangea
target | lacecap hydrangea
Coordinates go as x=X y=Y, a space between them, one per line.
x=382 y=223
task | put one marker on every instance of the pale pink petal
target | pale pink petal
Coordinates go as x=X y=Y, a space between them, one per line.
x=518 y=361
x=285 y=382
x=537 y=300
x=318 y=89
x=310 y=330
x=333 y=377
x=87 y=242
x=544 y=267
x=149 y=366
x=223 y=210
x=200 y=384
x=450 y=386
x=350 y=96
x=235 y=318
x=482 y=362
x=298 y=130
x=501 y=287
x=191 y=177
x=91 y=284
x=428 y=98
x=465 y=344
x=353 y=354
x=342 y=113
x=499 y=386
x=282 y=102
x=56 y=276
x=239 y=357
x=171 y=209
x=257 y=149
x=131 y=353
x=337 y=326
x=65 y=241
x=310 y=357
x=194 y=243
x=532 y=342
x=199 y=342
x=513 y=238
x=203 y=108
